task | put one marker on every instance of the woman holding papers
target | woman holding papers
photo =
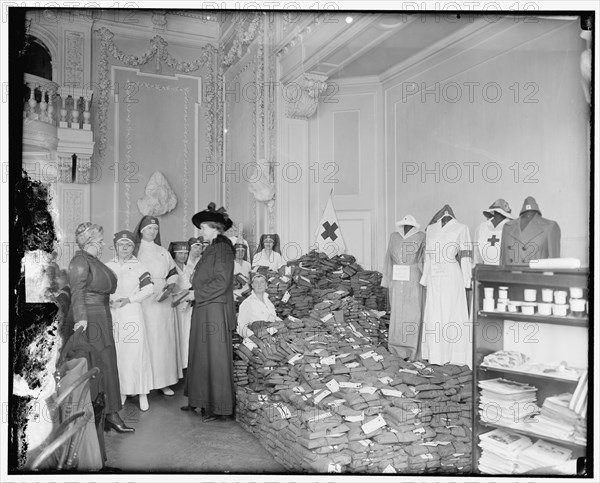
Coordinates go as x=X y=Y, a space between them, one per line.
x=159 y=316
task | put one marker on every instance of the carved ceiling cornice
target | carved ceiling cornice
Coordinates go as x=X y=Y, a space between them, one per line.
x=297 y=34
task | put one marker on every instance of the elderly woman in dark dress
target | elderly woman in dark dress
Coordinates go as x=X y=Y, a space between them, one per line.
x=91 y=283
x=209 y=378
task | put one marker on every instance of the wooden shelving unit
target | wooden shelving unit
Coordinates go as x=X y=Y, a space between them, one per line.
x=492 y=322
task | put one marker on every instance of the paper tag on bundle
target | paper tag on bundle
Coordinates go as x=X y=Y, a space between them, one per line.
x=272 y=330
x=333 y=385
x=415 y=410
x=401 y=273
x=386 y=379
x=285 y=279
x=427 y=456
x=292 y=318
x=373 y=425
x=334 y=468
x=389 y=469
x=352 y=365
x=419 y=430
x=327 y=317
x=350 y=385
x=409 y=371
x=354 y=346
x=366 y=442
x=283 y=411
x=315 y=365
x=322 y=395
x=318 y=351
x=419 y=365
x=288 y=270
x=320 y=416
x=263 y=397
x=368 y=355
x=295 y=359
x=269 y=368
x=367 y=390
x=298 y=389
x=351 y=339
x=341 y=356
x=355 y=419
x=391 y=392
x=339 y=292
x=329 y=360
x=377 y=357
x=335 y=403
x=249 y=343
x=434 y=443
x=285 y=298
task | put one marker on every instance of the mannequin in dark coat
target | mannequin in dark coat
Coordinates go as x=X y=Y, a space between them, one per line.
x=529 y=237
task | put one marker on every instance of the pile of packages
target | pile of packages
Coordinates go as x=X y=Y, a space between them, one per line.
x=322 y=396
x=297 y=287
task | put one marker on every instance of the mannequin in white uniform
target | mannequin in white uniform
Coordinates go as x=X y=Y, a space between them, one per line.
x=488 y=235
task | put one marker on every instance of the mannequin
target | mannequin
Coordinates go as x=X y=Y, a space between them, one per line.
x=488 y=235
x=402 y=270
x=529 y=237
x=446 y=274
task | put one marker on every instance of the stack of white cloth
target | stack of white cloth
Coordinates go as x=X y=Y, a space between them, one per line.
x=500 y=451
x=506 y=402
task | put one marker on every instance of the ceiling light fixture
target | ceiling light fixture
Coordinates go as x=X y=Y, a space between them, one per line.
x=349 y=19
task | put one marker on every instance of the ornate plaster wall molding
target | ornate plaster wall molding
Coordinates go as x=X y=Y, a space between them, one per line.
x=73 y=59
x=159 y=20
x=159 y=51
x=244 y=37
x=303 y=95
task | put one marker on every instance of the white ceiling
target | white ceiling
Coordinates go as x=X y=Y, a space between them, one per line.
x=401 y=37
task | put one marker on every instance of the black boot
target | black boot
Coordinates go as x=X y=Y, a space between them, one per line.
x=114 y=421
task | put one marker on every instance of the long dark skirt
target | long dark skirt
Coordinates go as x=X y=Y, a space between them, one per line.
x=99 y=334
x=209 y=378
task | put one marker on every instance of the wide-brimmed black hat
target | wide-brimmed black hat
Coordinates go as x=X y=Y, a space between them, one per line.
x=214 y=215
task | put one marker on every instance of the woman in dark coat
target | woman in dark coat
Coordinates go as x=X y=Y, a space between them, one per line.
x=91 y=283
x=209 y=378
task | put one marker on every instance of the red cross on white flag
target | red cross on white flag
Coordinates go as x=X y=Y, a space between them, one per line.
x=328 y=235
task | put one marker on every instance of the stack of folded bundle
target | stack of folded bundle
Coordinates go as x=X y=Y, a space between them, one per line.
x=365 y=319
x=240 y=362
x=240 y=372
x=277 y=286
x=384 y=330
x=335 y=402
x=248 y=407
x=365 y=286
